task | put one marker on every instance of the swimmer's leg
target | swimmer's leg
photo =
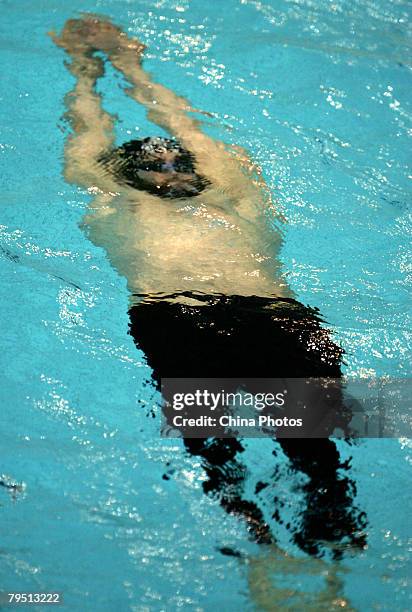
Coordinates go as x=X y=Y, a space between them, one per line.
x=329 y=518
x=175 y=339
x=226 y=480
x=329 y=514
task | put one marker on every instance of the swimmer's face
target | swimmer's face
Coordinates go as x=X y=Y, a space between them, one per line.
x=165 y=166
x=170 y=181
x=157 y=165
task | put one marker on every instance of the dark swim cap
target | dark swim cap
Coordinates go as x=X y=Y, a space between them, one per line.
x=129 y=163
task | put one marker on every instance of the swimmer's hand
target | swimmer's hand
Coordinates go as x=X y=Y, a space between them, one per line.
x=73 y=38
x=92 y=33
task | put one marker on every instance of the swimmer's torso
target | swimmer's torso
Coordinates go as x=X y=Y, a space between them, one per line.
x=169 y=229
x=195 y=244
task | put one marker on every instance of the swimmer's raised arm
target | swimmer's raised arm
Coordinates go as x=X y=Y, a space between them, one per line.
x=165 y=108
x=92 y=127
x=228 y=169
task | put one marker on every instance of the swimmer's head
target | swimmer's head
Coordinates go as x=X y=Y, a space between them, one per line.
x=160 y=166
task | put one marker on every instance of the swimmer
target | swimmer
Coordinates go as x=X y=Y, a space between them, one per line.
x=207 y=232
x=184 y=220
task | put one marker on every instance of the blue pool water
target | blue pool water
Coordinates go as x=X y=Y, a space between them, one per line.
x=319 y=93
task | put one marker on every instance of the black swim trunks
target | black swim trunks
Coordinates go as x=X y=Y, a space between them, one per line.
x=233 y=337
x=219 y=336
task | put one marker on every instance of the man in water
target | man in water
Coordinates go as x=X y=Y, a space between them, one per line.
x=184 y=220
